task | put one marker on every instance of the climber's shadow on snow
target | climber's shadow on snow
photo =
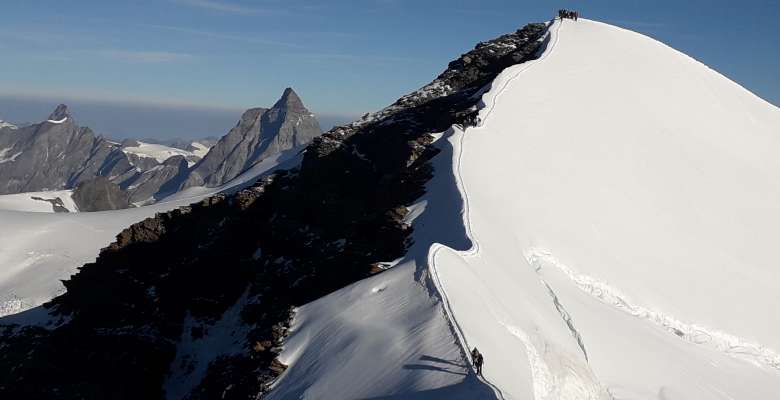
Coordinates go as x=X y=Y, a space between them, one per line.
x=469 y=389
x=442 y=361
x=439 y=364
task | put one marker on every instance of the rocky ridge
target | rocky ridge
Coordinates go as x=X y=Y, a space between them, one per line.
x=293 y=237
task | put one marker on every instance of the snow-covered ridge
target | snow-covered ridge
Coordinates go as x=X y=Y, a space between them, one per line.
x=385 y=336
x=57 y=121
x=646 y=169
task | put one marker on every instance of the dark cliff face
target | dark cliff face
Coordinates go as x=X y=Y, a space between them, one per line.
x=292 y=238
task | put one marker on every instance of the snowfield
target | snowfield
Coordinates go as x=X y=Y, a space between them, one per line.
x=37 y=201
x=161 y=152
x=607 y=232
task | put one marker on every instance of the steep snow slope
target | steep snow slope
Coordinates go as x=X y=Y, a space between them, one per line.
x=37 y=250
x=45 y=202
x=623 y=200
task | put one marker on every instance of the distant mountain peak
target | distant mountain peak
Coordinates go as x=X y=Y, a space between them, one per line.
x=260 y=133
x=290 y=100
x=60 y=114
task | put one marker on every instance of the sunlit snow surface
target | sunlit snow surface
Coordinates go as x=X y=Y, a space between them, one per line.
x=161 y=152
x=614 y=239
x=625 y=202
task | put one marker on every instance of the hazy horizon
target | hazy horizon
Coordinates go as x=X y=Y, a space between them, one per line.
x=122 y=120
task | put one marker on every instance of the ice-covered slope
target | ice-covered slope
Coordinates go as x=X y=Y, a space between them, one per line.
x=624 y=202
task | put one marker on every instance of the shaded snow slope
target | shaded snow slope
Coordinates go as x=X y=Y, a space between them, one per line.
x=387 y=337
x=623 y=200
x=37 y=250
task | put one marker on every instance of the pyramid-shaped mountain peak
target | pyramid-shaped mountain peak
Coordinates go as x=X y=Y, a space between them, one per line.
x=290 y=100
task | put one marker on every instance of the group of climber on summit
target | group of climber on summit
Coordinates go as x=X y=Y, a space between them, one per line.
x=568 y=14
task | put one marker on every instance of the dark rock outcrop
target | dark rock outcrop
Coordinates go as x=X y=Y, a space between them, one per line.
x=100 y=194
x=293 y=237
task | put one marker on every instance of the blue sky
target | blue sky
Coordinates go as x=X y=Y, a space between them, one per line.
x=344 y=58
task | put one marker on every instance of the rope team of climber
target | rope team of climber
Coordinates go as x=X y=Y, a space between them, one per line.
x=574 y=15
